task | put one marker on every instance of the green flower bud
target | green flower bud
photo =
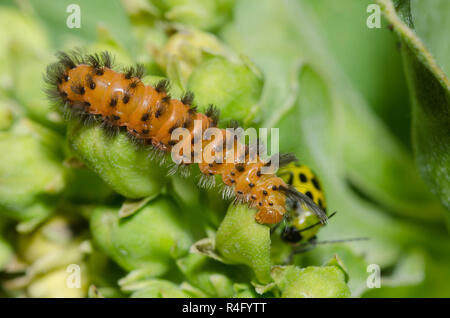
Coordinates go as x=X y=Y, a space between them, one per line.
x=185 y=190
x=203 y=14
x=158 y=288
x=148 y=239
x=28 y=90
x=84 y=186
x=244 y=291
x=125 y=167
x=103 y=271
x=234 y=88
x=30 y=170
x=241 y=240
x=52 y=237
x=54 y=285
x=104 y=292
x=46 y=254
x=187 y=49
x=311 y=282
x=210 y=276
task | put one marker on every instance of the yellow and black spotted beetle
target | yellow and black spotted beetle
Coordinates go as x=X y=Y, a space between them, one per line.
x=301 y=224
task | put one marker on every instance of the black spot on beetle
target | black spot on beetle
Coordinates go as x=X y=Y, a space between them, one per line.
x=126 y=98
x=145 y=117
x=240 y=167
x=315 y=183
x=251 y=185
x=310 y=195
x=265 y=192
x=302 y=177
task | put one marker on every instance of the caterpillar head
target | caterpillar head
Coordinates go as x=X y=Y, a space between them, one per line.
x=270 y=214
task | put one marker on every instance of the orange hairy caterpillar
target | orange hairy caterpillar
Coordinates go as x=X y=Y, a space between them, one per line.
x=87 y=85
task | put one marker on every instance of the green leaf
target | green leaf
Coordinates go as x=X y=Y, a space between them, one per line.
x=432 y=26
x=429 y=87
x=364 y=55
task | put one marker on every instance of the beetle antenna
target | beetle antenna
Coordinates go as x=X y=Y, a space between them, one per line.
x=305 y=247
